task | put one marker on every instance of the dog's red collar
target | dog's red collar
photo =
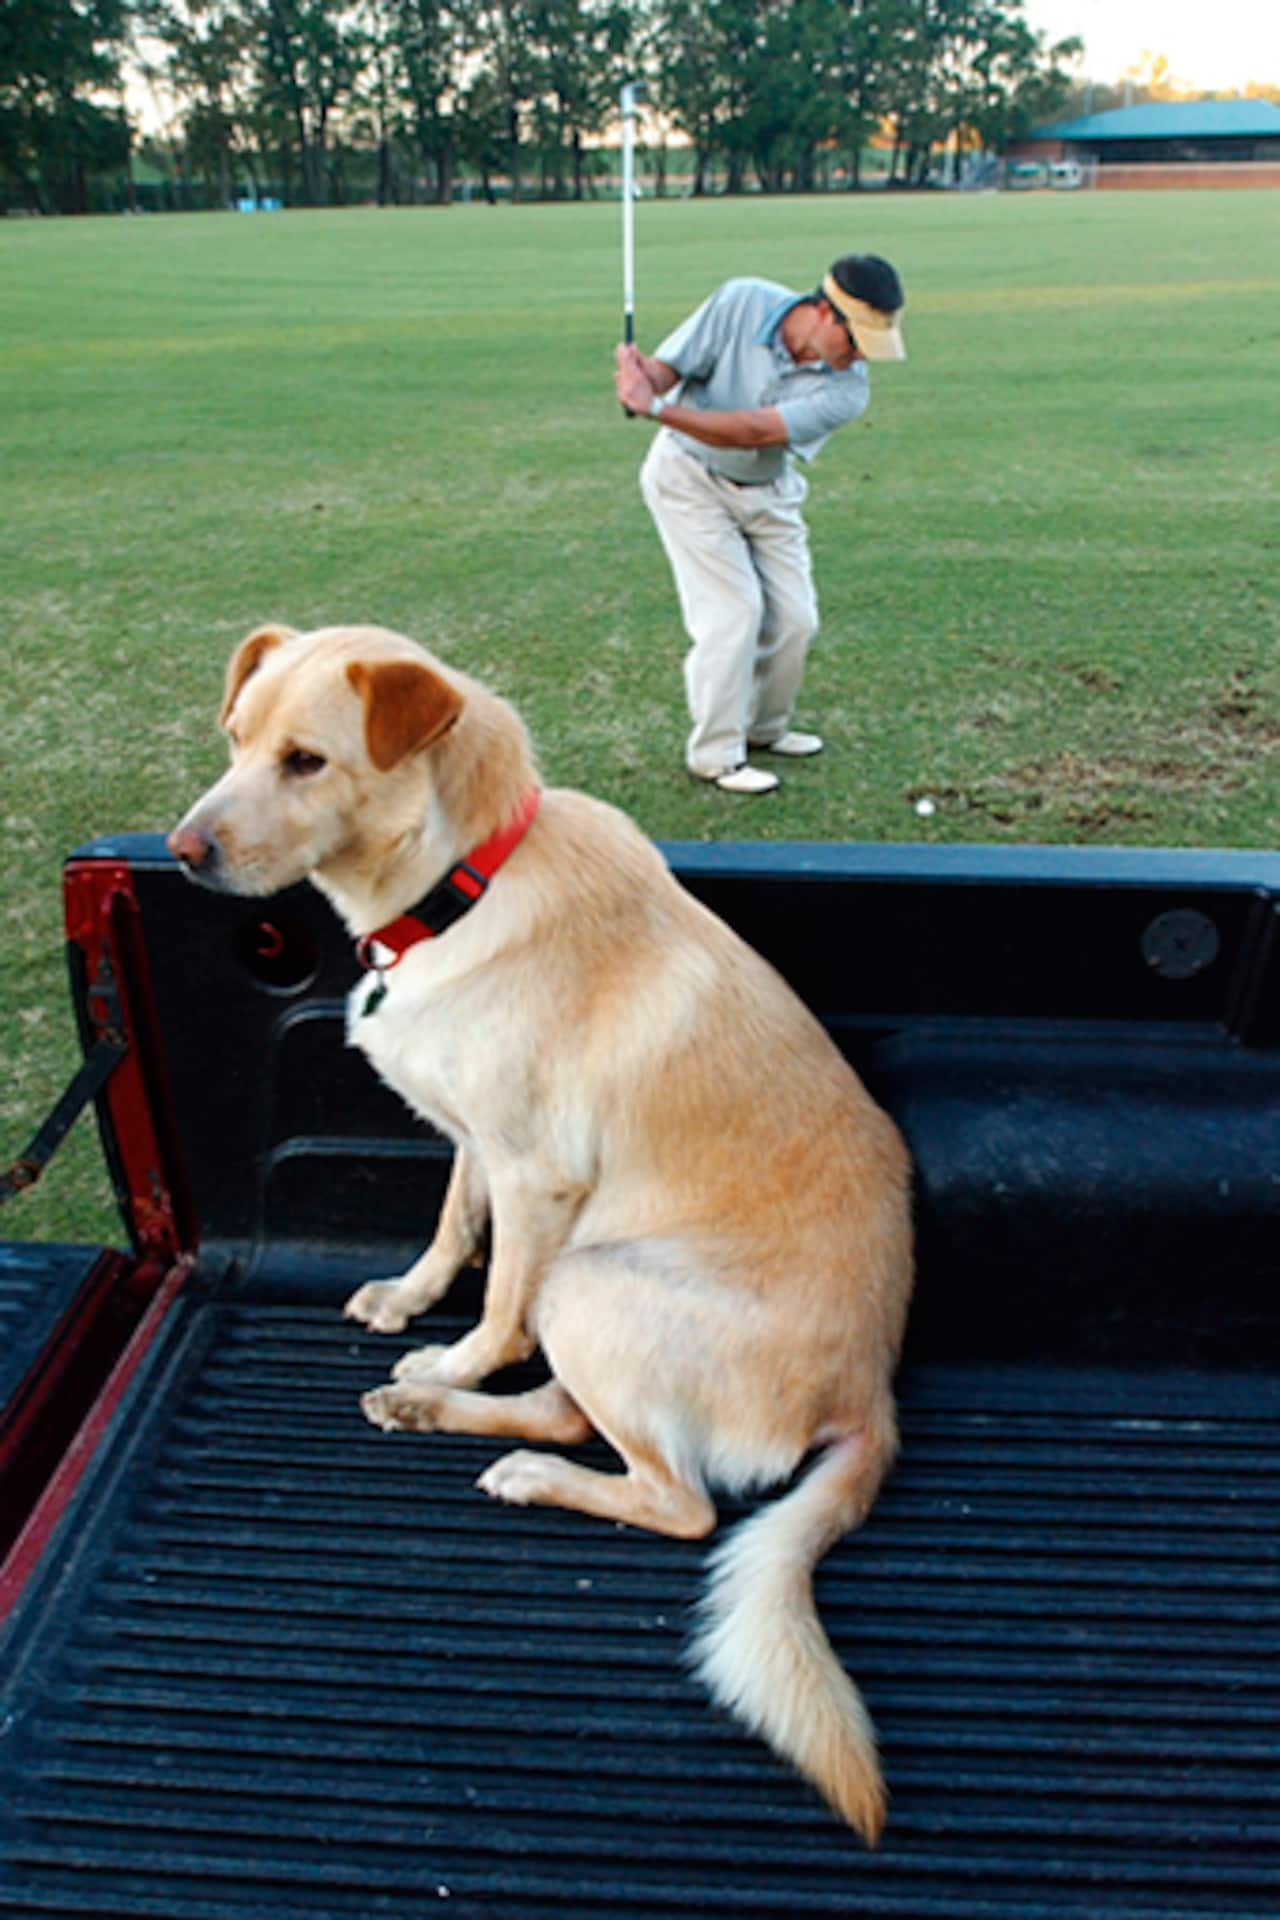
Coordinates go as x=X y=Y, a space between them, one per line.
x=455 y=895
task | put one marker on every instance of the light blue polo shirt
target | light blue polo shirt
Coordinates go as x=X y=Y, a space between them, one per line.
x=729 y=354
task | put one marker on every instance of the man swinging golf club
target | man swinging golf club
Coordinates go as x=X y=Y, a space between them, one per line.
x=764 y=374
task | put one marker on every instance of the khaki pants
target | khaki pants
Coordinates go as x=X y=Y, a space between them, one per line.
x=740 y=556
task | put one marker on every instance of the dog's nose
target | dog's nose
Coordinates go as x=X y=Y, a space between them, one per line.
x=195 y=850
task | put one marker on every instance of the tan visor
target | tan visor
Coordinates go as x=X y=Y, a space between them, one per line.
x=875 y=331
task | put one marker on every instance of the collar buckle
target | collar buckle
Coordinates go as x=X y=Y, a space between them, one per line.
x=456 y=894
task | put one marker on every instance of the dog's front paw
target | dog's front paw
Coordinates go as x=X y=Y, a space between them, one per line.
x=401 y=1409
x=519 y=1478
x=420 y=1363
x=379 y=1304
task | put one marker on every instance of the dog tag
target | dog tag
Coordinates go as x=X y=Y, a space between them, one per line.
x=376 y=998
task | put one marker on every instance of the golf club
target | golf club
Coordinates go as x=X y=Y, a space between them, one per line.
x=632 y=94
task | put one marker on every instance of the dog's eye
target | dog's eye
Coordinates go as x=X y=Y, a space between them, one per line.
x=299 y=764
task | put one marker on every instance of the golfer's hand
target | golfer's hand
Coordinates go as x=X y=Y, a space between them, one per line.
x=630 y=381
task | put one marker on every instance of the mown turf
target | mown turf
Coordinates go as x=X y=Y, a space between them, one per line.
x=1047 y=560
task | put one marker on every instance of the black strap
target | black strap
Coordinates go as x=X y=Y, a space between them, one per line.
x=99 y=1064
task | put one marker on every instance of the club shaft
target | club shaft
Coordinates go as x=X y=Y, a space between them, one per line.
x=628 y=225
x=631 y=93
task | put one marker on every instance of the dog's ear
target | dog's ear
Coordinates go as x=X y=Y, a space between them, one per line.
x=245 y=662
x=406 y=706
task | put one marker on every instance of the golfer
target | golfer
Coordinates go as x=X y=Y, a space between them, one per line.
x=763 y=373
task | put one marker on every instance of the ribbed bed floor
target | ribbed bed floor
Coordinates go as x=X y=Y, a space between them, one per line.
x=285 y=1665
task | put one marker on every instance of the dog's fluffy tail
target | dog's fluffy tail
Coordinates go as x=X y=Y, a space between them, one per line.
x=761 y=1649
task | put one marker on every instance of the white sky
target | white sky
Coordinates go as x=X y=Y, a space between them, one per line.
x=1211 y=44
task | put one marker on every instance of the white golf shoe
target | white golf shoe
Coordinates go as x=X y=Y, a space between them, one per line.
x=795 y=746
x=742 y=779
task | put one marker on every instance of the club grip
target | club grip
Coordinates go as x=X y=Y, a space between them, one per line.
x=628 y=335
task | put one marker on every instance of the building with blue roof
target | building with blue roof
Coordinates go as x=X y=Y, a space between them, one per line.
x=1197 y=135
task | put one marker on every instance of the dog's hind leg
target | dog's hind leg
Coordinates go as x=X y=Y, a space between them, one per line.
x=546 y=1413
x=649 y=1494
x=388 y=1305
x=600 y=1317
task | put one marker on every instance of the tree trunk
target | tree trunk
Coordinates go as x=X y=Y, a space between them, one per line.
x=513 y=154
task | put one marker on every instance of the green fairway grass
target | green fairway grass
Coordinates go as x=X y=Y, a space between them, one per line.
x=1047 y=559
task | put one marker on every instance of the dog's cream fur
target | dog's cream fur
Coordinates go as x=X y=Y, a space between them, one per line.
x=696 y=1210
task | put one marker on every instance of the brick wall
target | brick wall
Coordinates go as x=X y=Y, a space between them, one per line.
x=1228 y=173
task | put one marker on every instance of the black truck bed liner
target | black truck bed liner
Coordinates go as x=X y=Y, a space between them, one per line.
x=272 y=1661
x=290 y=1665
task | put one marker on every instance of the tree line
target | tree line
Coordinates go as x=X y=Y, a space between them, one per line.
x=321 y=102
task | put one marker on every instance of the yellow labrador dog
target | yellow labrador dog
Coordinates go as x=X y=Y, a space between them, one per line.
x=695 y=1209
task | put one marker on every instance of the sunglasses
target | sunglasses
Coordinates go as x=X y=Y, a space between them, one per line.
x=849 y=333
